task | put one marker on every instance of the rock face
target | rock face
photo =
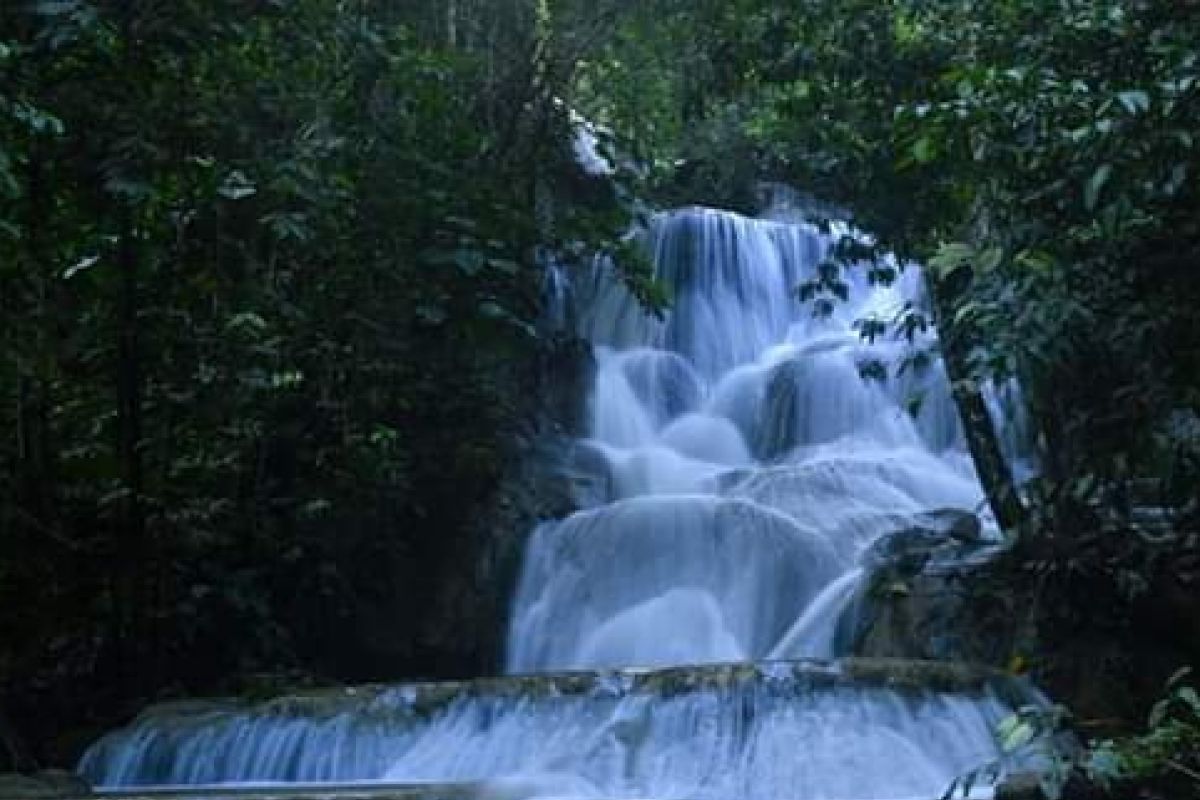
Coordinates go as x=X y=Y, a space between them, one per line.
x=936 y=592
x=922 y=600
x=467 y=629
x=432 y=600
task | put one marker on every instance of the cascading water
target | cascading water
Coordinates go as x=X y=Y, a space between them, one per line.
x=743 y=456
x=747 y=456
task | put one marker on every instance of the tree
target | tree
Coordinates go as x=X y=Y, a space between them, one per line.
x=270 y=276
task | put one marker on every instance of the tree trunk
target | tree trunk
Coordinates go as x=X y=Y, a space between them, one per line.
x=980 y=432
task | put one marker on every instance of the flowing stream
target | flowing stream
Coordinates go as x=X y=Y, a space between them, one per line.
x=743 y=455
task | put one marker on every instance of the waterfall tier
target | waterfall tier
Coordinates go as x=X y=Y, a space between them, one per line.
x=857 y=729
x=744 y=453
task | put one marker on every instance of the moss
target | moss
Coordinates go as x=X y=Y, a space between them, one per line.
x=423 y=699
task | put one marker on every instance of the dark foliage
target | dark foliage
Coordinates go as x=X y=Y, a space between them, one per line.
x=270 y=288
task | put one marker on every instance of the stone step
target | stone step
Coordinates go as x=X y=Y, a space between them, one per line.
x=722 y=730
x=426 y=697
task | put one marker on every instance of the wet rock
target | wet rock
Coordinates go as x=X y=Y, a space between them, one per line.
x=943 y=537
x=420 y=698
x=776 y=431
x=50 y=783
x=590 y=474
x=19 y=787
x=664 y=381
x=922 y=599
x=464 y=631
x=1021 y=786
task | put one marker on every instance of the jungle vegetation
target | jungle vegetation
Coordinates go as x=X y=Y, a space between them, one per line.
x=265 y=265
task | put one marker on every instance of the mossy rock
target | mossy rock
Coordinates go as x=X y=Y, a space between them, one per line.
x=51 y=783
x=404 y=703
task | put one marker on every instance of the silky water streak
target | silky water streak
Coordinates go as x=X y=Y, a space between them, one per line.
x=748 y=450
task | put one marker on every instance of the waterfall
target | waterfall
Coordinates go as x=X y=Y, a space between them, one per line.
x=749 y=460
x=858 y=731
x=743 y=456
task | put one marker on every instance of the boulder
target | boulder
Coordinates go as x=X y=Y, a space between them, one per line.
x=922 y=601
x=945 y=537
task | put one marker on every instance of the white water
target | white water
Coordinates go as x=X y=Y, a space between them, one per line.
x=747 y=461
x=773 y=734
x=737 y=468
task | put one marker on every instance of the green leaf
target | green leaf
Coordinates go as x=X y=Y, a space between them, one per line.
x=114 y=496
x=80 y=266
x=1095 y=184
x=1014 y=733
x=38 y=121
x=950 y=258
x=288 y=225
x=1178 y=675
x=1189 y=696
x=913 y=405
x=505 y=266
x=988 y=260
x=1034 y=260
x=967 y=309
x=246 y=321
x=1103 y=764
x=469 y=262
x=236 y=186
x=1135 y=101
x=287 y=379
x=1158 y=713
x=923 y=150
x=873 y=370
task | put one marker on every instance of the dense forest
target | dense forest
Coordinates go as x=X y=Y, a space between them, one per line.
x=271 y=280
